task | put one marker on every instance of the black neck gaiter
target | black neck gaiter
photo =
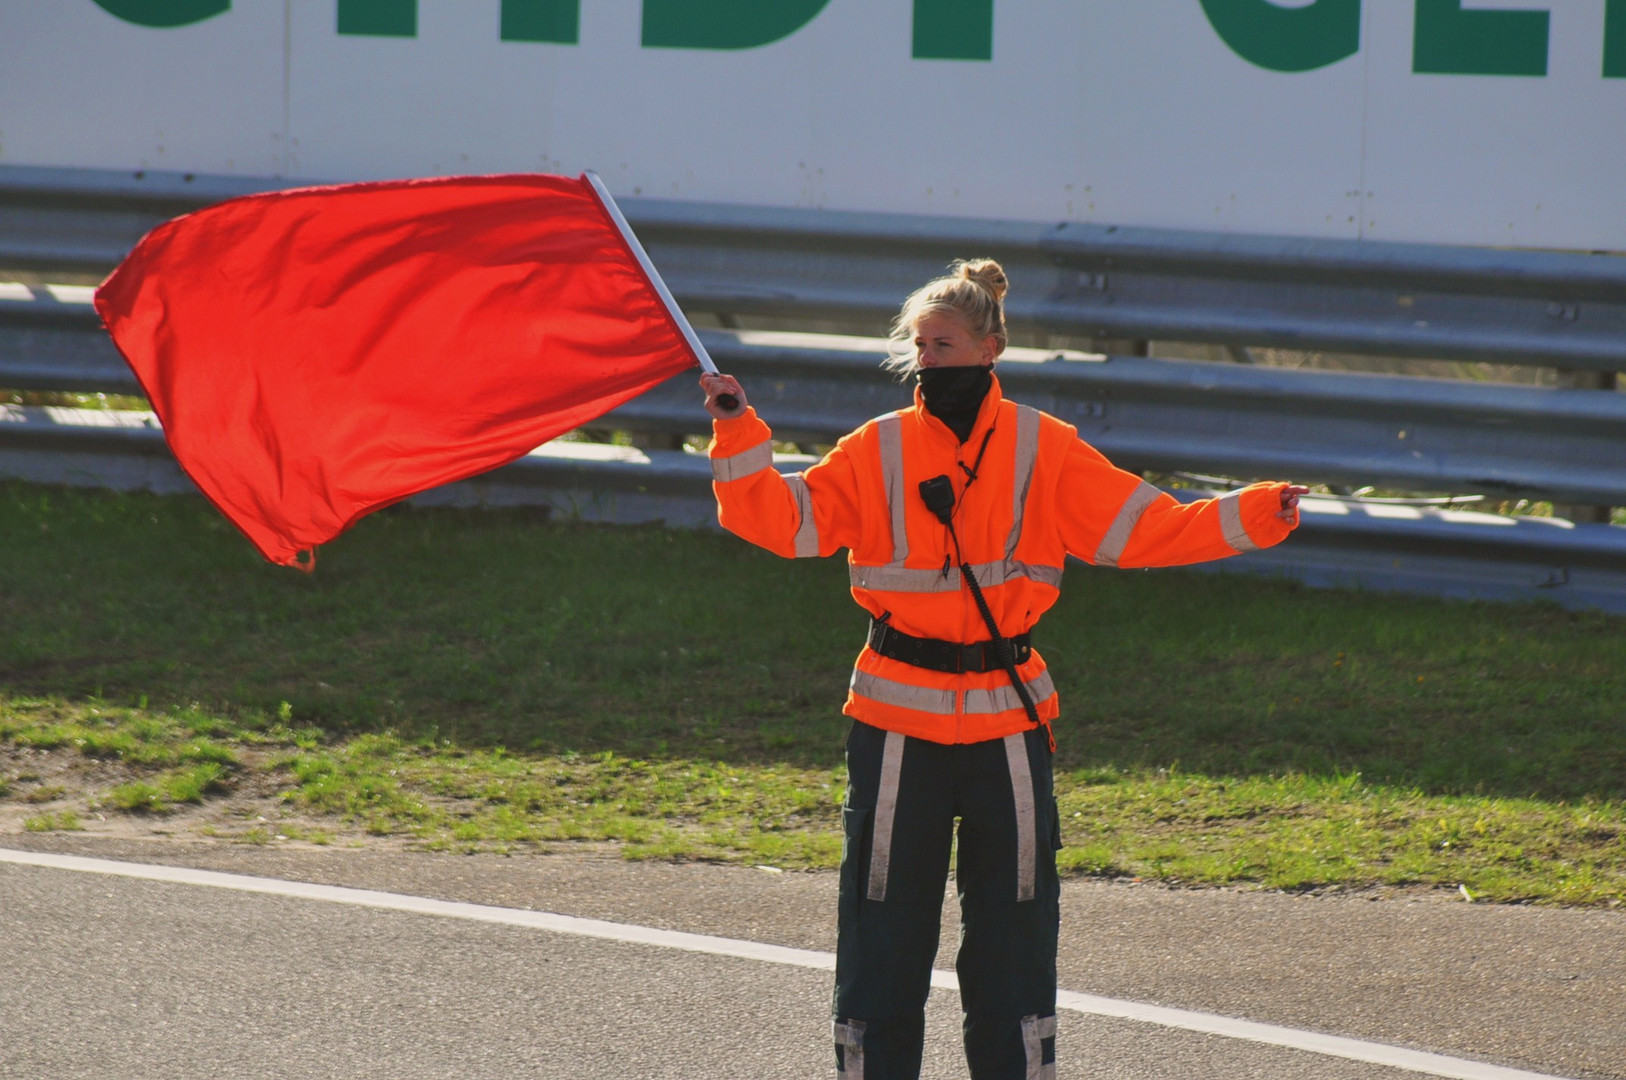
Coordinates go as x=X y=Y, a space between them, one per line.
x=954 y=395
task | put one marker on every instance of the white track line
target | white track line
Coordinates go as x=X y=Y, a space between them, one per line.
x=1207 y=1023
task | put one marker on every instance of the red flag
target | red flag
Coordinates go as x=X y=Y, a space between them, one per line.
x=317 y=354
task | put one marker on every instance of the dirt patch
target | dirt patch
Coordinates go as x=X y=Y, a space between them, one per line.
x=44 y=791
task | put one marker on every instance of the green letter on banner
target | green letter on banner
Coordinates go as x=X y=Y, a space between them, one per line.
x=954 y=30
x=1287 y=39
x=724 y=24
x=164 y=13
x=1451 y=41
x=1614 y=40
x=558 y=21
x=379 y=18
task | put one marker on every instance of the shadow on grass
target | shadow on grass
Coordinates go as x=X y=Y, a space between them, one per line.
x=502 y=628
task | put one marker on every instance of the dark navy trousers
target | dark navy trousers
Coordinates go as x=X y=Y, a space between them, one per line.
x=904 y=796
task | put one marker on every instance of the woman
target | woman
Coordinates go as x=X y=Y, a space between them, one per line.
x=958 y=515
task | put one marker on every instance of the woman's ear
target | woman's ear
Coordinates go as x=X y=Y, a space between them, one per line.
x=990 y=350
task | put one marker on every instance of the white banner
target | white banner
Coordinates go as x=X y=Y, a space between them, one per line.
x=1482 y=122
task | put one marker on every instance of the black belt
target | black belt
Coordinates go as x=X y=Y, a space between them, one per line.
x=935 y=655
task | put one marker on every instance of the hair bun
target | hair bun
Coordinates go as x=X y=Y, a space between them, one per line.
x=973 y=289
x=984 y=272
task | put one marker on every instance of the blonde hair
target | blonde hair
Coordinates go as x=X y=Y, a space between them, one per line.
x=973 y=289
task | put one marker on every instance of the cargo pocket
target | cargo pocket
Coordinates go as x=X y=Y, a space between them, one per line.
x=854 y=858
x=1055 y=826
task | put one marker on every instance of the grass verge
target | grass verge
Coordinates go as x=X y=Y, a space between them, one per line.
x=496 y=679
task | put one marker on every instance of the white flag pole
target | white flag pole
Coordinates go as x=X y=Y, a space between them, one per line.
x=654 y=275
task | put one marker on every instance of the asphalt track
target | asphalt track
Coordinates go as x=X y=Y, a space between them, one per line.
x=103 y=974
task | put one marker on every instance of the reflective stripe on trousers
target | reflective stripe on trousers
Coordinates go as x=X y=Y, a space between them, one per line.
x=1027 y=845
x=886 y=807
x=1035 y=1029
x=849 y=1038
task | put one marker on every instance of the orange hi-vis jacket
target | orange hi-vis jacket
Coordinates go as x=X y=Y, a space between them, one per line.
x=1040 y=495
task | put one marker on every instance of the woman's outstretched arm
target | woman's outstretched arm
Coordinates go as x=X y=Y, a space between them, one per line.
x=1111 y=517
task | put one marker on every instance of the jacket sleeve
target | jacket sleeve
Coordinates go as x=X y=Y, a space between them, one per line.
x=796 y=515
x=1110 y=517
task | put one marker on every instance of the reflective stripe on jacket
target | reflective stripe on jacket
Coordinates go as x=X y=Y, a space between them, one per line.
x=1041 y=494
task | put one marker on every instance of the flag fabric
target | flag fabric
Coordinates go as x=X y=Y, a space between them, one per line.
x=320 y=353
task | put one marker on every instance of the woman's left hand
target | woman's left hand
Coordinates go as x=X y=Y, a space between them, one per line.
x=1290 y=501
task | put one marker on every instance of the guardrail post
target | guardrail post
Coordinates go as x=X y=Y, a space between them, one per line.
x=657 y=440
x=1120 y=346
x=1586 y=380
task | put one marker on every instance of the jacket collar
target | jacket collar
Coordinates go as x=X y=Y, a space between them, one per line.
x=985 y=415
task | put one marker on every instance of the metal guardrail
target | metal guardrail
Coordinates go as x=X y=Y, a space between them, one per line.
x=52 y=339
x=1145 y=414
x=1387 y=548
x=1419 y=434
x=87 y=220
x=1236 y=420
x=1516 y=307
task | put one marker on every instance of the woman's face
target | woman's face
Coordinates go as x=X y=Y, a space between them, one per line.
x=943 y=340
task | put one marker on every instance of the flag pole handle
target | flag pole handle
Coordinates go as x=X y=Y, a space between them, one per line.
x=727 y=401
